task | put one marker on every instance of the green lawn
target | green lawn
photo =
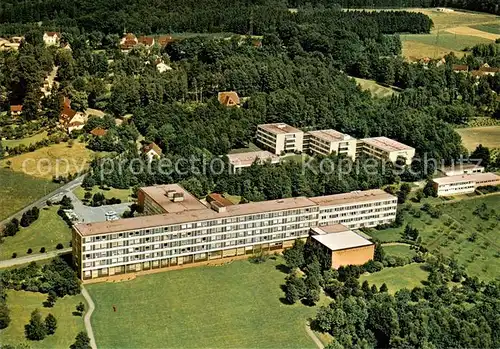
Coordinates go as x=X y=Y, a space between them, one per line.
x=399 y=251
x=408 y=276
x=451 y=234
x=251 y=147
x=26 y=141
x=22 y=303
x=374 y=88
x=490 y=28
x=47 y=231
x=123 y=194
x=18 y=190
x=232 y=306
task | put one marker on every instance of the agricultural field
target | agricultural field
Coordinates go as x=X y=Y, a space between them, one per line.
x=22 y=303
x=375 y=89
x=232 y=306
x=58 y=159
x=25 y=141
x=18 y=190
x=47 y=231
x=125 y=195
x=488 y=136
x=408 y=276
x=458 y=233
x=452 y=32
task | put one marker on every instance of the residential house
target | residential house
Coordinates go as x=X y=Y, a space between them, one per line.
x=147 y=41
x=487 y=70
x=152 y=151
x=229 y=98
x=16 y=110
x=51 y=38
x=460 y=68
x=98 y=132
x=128 y=42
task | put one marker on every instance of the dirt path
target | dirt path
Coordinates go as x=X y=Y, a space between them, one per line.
x=395 y=244
x=315 y=339
x=88 y=314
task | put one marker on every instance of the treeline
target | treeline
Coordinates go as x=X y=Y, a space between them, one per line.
x=490 y=6
x=242 y=17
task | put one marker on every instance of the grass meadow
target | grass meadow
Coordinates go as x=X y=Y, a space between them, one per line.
x=375 y=89
x=408 y=276
x=458 y=233
x=26 y=141
x=232 y=306
x=18 y=190
x=47 y=231
x=489 y=28
x=488 y=136
x=22 y=303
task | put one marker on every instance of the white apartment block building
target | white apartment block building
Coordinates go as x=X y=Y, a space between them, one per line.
x=385 y=148
x=182 y=230
x=280 y=138
x=464 y=184
x=325 y=142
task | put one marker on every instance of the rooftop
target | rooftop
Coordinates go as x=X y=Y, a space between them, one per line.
x=486 y=176
x=228 y=98
x=333 y=228
x=386 y=144
x=159 y=194
x=192 y=215
x=330 y=135
x=352 y=197
x=219 y=198
x=342 y=240
x=460 y=167
x=279 y=128
x=246 y=159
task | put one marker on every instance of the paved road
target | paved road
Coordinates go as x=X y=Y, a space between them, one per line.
x=33 y=258
x=88 y=314
x=42 y=201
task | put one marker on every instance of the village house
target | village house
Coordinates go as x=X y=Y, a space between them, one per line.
x=51 y=38
x=229 y=98
x=460 y=68
x=152 y=151
x=146 y=41
x=98 y=132
x=16 y=110
x=165 y=40
x=128 y=42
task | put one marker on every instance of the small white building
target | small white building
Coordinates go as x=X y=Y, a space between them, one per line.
x=51 y=38
x=460 y=169
x=152 y=151
x=242 y=160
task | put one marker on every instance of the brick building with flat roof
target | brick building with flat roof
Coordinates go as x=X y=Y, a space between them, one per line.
x=181 y=230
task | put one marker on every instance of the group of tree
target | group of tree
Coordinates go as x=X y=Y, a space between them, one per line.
x=29 y=217
x=4 y=310
x=37 y=329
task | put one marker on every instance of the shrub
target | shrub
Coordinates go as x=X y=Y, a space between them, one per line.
x=59 y=246
x=42 y=250
x=29 y=251
x=14 y=255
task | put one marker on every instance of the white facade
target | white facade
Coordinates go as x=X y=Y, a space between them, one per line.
x=385 y=149
x=201 y=234
x=325 y=142
x=51 y=39
x=464 y=184
x=280 y=138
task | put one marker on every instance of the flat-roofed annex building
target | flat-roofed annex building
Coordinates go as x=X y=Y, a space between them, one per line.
x=460 y=169
x=464 y=184
x=325 y=142
x=280 y=138
x=186 y=231
x=241 y=160
x=344 y=246
x=385 y=148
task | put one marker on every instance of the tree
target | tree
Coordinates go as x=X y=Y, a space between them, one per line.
x=483 y=154
x=35 y=330
x=80 y=307
x=379 y=253
x=429 y=189
x=295 y=288
x=383 y=288
x=51 y=299
x=82 y=341
x=294 y=256
x=4 y=315
x=50 y=324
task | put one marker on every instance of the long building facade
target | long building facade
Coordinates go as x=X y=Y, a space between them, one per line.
x=183 y=230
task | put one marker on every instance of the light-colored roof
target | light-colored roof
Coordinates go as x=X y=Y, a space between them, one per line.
x=279 y=128
x=487 y=176
x=341 y=241
x=228 y=98
x=94 y=112
x=333 y=228
x=246 y=159
x=152 y=146
x=461 y=167
x=146 y=222
x=158 y=194
x=330 y=135
x=386 y=144
x=352 y=197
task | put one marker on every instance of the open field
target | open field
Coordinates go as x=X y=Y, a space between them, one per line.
x=26 y=141
x=57 y=159
x=125 y=195
x=458 y=233
x=488 y=136
x=408 y=276
x=489 y=28
x=232 y=306
x=452 y=32
x=47 y=231
x=22 y=303
x=18 y=190
x=375 y=89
